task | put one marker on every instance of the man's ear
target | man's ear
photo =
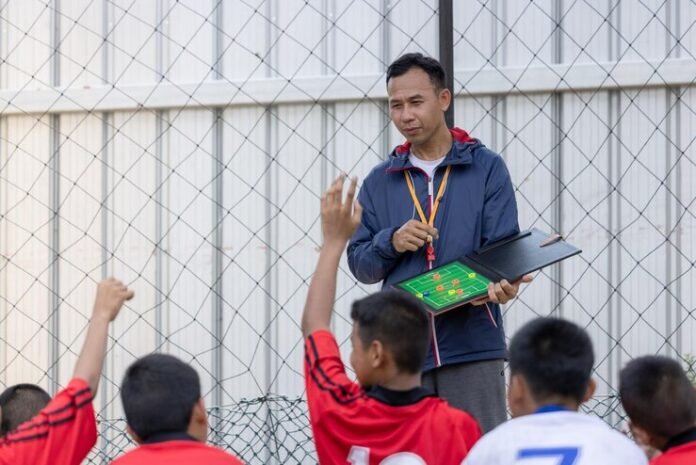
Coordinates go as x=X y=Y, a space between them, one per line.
x=445 y=98
x=133 y=436
x=589 y=392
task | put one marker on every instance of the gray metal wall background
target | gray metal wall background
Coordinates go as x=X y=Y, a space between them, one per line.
x=183 y=146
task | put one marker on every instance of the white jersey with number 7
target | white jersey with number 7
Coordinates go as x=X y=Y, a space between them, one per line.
x=555 y=438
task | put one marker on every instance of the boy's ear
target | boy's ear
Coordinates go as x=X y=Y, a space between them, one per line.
x=376 y=354
x=589 y=392
x=649 y=443
x=516 y=395
x=200 y=414
x=133 y=436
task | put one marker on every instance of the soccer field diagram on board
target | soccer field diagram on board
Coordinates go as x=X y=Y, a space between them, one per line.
x=446 y=286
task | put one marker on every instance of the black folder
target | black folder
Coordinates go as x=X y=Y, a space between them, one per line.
x=464 y=280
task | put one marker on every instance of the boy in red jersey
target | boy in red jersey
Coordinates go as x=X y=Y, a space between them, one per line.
x=166 y=415
x=387 y=418
x=661 y=403
x=64 y=432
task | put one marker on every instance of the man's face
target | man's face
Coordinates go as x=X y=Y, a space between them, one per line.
x=415 y=106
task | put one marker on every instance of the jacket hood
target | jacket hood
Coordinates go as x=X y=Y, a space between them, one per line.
x=398 y=159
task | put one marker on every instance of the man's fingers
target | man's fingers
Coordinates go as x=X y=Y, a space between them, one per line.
x=417 y=232
x=410 y=247
x=508 y=289
x=415 y=241
x=491 y=293
x=424 y=227
x=129 y=295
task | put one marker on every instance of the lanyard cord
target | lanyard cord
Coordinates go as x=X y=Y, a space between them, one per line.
x=436 y=204
x=433 y=208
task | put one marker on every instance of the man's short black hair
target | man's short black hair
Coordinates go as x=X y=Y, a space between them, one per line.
x=158 y=393
x=657 y=395
x=431 y=66
x=555 y=358
x=399 y=321
x=20 y=403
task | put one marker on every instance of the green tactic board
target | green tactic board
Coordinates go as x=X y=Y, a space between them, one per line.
x=447 y=286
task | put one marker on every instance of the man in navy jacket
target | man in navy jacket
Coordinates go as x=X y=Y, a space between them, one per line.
x=439 y=196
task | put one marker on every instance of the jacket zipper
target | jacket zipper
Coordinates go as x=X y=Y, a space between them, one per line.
x=436 y=348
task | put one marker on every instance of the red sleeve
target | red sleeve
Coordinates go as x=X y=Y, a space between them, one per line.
x=63 y=432
x=326 y=381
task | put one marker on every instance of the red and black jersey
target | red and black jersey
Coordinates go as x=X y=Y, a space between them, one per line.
x=63 y=432
x=359 y=427
x=680 y=450
x=175 y=449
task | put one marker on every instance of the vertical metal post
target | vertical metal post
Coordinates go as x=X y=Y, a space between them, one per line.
x=447 y=52
x=217 y=271
x=614 y=211
x=160 y=119
x=385 y=121
x=218 y=215
x=54 y=202
x=107 y=134
x=557 y=160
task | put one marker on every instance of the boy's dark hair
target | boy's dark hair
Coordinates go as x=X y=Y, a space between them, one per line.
x=158 y=393
x=399 y=321
x=657 y=395
x=555 y=358
x=21 y=403
x=431 y=66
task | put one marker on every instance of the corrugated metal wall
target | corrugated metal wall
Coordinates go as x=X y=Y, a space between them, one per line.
x=183 y=146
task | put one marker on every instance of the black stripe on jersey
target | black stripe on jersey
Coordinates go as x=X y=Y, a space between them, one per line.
x=12 y=437
x=347 y=398
x=39 y=435
x=322 y=372
x=343 y=401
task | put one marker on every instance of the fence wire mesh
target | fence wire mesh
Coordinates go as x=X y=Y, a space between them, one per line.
x=183 y=146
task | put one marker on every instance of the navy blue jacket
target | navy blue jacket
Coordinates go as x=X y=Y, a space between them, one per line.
x=478 y=207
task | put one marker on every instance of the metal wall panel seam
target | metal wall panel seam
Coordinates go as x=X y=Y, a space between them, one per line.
x=679 y=183
x=674 y=184
x=160 y=116
x=670 y=253
x=271 y=135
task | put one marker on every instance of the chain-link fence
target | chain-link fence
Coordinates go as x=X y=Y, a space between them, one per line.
x=183 y=146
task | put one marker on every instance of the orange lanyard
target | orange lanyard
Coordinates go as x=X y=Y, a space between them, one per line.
x=433 y=211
